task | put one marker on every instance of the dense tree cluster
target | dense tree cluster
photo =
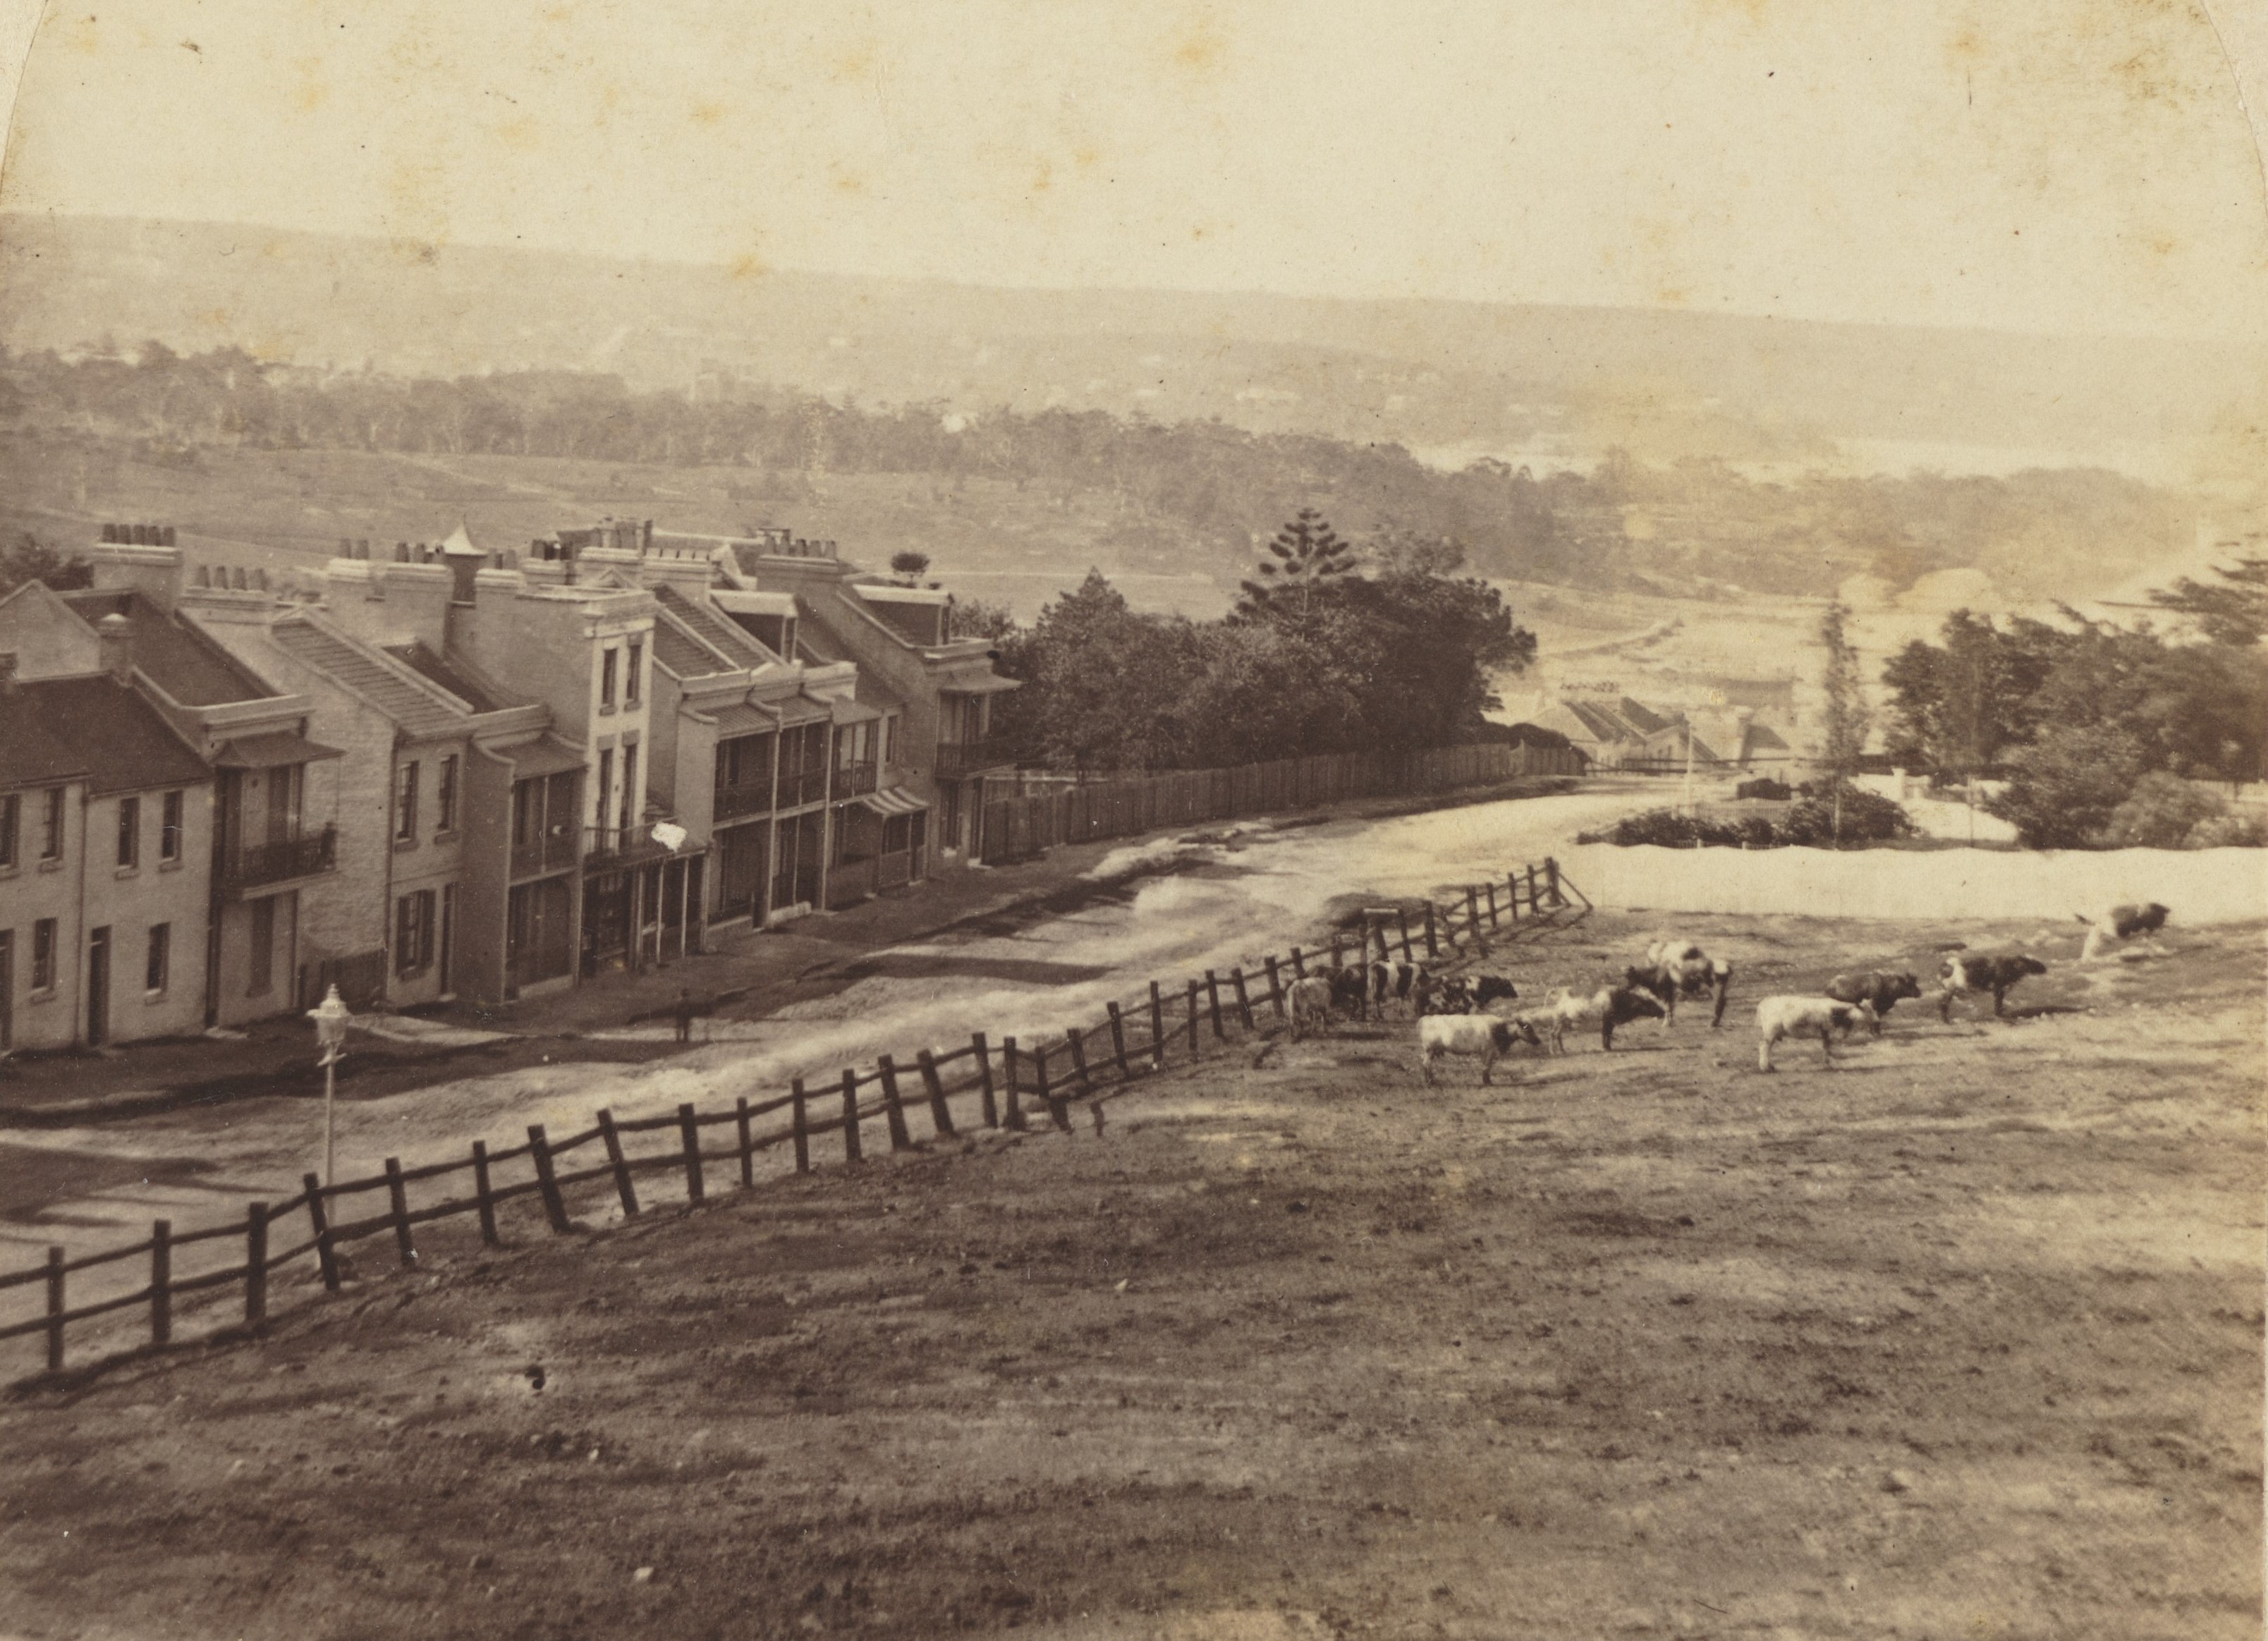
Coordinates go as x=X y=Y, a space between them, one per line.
x=30 y=559
x=1207 y=487
x=1307 y=663
x=2100 y=731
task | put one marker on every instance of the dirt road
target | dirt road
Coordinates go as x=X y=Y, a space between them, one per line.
x=1962 y=1338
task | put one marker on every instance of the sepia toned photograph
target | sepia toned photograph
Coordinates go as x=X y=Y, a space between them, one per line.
x=1228 y=822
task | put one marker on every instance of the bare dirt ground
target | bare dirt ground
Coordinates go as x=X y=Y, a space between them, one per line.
x=1960 y=1338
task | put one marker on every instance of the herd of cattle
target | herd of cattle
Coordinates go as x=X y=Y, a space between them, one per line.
x=1458 y=1014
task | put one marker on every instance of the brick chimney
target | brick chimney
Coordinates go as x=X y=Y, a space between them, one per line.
x=116 y=633
x=139 y=556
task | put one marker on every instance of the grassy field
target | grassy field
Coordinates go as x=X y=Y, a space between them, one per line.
x=1959 y=1338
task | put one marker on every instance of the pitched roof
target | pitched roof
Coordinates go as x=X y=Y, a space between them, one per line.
x=183 y=662
x=369 y=673
x=1642 y=719
x=32 y=753
x=453 y=674
x=677 y=648
x=117 y=738
x=728 y=637
x=1601 y=724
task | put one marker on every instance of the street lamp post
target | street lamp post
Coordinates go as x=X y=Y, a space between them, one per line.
x=330 y=1017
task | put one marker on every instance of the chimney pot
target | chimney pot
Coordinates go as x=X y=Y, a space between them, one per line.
x=114 y=634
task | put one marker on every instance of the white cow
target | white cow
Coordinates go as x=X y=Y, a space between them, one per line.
x=1483 y=1036
x=1807 y=1017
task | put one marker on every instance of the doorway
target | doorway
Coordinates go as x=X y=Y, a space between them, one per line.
x=98 y=987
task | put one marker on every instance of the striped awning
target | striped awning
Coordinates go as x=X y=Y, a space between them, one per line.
x=895 y=800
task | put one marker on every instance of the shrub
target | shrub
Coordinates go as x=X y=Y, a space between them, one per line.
x=1867 y=817
x=1668 y=829
x=2064 y=785
x=1766 y=788
x=2161 y=813
x=2229 y=829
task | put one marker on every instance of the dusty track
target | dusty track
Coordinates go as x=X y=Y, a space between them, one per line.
x=1963 y=1337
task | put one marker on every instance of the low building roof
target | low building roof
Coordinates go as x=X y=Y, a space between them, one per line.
x=377 y=678
x=185 y=662
x=95 y=727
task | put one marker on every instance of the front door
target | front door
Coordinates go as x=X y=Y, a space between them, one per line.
x=98 y=987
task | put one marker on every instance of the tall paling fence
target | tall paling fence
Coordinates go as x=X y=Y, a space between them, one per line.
x=1018 y=829
x=306 y=1237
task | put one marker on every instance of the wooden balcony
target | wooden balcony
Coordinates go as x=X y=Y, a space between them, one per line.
x=540 y=856
x=957 y=759
x=263 y=865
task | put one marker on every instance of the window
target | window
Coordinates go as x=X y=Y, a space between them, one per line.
x=263 y=947
x=630 y=680
x=283 y=790
x=445 y=796
x=606 y=680
x=51 y=825
x=161 y=941
x=633 y=799
x=11 y=808
x=413 y=932
x=130 y=831
x=169 y=827
x=606 y=792
x=448 y=931
x=405 y=804
x=43 y=955
x=888 y=739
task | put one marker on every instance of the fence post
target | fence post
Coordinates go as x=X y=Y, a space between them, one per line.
x=850 y=1152
x=55 y=1310
x=1513 y=878
x=1298 y=965
x=483 y=1200
x=622 y=1186
x=1212 y=992
x=546 y=1179
x=1157 y=1027
x=1118 y=1043
x=1401 y=918
x=940 y=1113
x=799 y=1117
x=1193 y=1019
x=988 y=1105
x=1243 y=1003
x=1079 y=1060
x=1337 y=961
x=892 y=1106
x=161 y=1283
x=1275 y=986
x=1432 y=935
x=696 y=1187
x=1061 y=1118
x=1473 y=916
x=326 y=1255
x=397 y=1198
x=1552 y=869
x=256 y=1264
x=1493 y=919
x=1008 y=1074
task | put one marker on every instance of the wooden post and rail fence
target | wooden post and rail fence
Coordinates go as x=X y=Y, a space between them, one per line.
x=1138 y=1039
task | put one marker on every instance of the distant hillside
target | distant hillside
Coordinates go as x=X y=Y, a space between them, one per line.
x=1553 y=382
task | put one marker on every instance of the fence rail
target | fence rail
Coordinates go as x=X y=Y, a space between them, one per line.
x=1013 y=1082
x=1018 y=829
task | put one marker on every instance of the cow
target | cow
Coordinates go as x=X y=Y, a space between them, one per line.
x=1311 y=1005
x=1804 y=1017
x=1610 y=1006
x=1350 y=989
x=1484 y=1037
x=1679 y=968
x=1487 y=989
x=1879 y=988
x=2119 y=925
x=1410 y=984
x=1959 y=974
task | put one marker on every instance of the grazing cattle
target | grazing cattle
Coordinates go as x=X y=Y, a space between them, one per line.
x=1959 y=974
x=1484 y=1036
x=1487 y=989
x=1676 y=968
x=1610 y=1006
x=1311 y=1005
x=1804 y=1017
x=2120 y=923
x=1410 y=984
x=1350 y=989
x=1879 y=988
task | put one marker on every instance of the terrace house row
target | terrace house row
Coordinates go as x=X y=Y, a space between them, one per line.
x=450 y=773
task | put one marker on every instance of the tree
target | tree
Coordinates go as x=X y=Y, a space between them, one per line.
x=2066 y=786
x=1308 y=555
x=909 y=565
x=980 y=618
x=2234 y=611
x=2161 y=813
x=1844 y=731
x=1107 y=684
x=30 y=559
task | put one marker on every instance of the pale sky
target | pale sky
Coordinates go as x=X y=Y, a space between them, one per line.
x=2085 y=167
